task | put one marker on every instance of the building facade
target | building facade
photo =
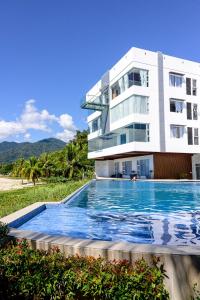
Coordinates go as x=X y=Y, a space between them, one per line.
x=144 y=117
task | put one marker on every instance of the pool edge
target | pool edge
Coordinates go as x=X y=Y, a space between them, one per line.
x=21 y=216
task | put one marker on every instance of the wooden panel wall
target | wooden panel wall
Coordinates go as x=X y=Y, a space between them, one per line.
x=172 y=165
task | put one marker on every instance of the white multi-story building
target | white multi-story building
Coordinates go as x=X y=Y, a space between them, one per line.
x=144 y=117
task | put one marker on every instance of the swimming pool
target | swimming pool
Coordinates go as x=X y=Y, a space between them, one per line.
x=164 y=213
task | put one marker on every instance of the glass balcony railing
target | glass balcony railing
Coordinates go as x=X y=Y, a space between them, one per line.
x=133 y=133
x=94 y=104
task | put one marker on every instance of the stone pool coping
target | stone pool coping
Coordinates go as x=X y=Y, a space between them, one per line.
x=182 y=263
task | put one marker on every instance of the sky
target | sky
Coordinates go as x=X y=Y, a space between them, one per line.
x=53 y=51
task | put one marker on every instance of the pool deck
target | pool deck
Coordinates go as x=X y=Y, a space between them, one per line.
x=182 y=263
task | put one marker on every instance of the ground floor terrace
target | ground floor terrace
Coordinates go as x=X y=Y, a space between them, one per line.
x=150 y=166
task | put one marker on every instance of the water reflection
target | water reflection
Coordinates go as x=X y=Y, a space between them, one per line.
x=137 y=212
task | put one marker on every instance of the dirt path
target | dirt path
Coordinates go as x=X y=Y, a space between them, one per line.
x=7 y=184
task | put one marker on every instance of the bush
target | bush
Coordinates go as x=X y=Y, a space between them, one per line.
x=3 y=233
x=33 y=274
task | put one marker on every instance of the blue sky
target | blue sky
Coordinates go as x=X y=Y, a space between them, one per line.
x=52 y=52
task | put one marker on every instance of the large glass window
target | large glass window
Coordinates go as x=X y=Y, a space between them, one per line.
x=132 y=105
x=122 y=138
x=176 y=106
x=94 y=125
x=133 y=77
x=175 y=80
x=138 y=77
x=177 y=131
x=136 y=132
x=116 y=168
x=143 y=168
x=126 y=167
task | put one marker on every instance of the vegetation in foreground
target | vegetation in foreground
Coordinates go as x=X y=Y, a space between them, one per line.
x=11 y=201
x=32 y=274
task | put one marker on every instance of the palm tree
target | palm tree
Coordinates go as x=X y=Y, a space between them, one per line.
x=18 y=169
x=45 y=163
x=32 y=171
x=72 y=159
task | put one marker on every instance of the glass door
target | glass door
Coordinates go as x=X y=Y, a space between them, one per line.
x=143 y=168
x=197 y=171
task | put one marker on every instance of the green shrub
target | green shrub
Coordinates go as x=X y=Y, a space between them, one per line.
x=33 y=274
x=3 y=234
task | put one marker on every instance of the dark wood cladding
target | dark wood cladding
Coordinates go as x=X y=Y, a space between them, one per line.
x=172 y=166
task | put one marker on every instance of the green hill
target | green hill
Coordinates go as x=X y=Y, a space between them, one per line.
x=11 y=151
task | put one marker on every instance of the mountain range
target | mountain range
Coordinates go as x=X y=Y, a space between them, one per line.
x=11 y=151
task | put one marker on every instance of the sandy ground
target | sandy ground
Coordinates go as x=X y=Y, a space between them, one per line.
x=7 y=184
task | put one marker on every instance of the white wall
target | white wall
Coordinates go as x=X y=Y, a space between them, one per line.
x=159 y=92
x=188 y=69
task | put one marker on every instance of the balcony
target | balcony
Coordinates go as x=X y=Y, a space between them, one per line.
x=133 y=133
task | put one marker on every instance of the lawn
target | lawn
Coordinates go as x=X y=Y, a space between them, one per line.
x=10 y=201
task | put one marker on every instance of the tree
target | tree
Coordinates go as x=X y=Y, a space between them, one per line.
x=45 y=164
x=18 y=169
x=31 y=170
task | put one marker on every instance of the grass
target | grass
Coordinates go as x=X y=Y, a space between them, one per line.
x=11 y=201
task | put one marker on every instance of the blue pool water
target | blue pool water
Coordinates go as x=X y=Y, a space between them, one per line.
x=137 y=212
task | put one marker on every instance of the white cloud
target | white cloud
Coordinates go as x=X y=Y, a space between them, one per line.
x=66 y=122
x=66 y=135
x=32 y=118
x=27 y=136
x=10 y=128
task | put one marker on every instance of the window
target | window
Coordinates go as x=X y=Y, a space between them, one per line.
x=94 y=125
x=176 y=106
x=138 y=77
x=189 y=111
x=195 y=113
x=133 y=77
x=132 y=105
x=116 y=168
x=196 y=136
x=192 y=111
x=177 y=131
x=175 y=80
x=138 y=132
x=188 y=86
x=194 y=87
x=143 y=168
x=191 y=86
x=115 y=90
x=193 y=136
x=123 y=138
x=190 y=136
x=126 y=167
